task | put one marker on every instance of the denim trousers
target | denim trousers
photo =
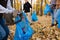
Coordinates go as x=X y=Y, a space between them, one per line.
x=4 y=29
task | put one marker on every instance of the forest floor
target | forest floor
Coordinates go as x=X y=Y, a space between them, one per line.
x=42 y=30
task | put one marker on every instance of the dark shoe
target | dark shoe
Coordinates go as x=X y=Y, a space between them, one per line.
x=52 y=25
x=31 y=23
x=56 y=23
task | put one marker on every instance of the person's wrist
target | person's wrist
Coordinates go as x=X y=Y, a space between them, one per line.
x=13 y=8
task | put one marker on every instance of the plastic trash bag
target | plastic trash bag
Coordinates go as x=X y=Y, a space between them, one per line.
x=18 y=33
x=23 y=30
x=28 y=33
x=47 y=9
x=34 y=16
x=25 y=17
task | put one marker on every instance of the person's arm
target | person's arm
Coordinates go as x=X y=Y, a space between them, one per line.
x=30 y=5
x=9 y=5
x=4 y=10
x=24 y=7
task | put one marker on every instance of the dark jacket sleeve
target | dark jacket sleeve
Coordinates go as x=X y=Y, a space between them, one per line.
x=30 y=5
x=24 y=7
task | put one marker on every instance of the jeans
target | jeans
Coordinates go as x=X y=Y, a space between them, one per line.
x=53 y=14
x=2 y=33
x=5 y=28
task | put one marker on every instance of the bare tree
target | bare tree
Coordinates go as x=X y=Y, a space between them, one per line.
x=41 y=8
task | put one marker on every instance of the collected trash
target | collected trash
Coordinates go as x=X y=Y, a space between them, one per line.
x=42 y=30
x=34 y=16
x=2 y=33
x=23 y=29
x=47 y=9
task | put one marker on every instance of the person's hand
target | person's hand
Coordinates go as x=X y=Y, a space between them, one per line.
x=15 y=13
x=8 y=11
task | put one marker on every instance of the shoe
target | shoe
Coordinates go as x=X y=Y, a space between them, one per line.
x=31 y=23
x=56 y=22
x=52 y=25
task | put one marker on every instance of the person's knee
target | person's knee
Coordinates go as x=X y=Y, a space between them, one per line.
x=2 y=33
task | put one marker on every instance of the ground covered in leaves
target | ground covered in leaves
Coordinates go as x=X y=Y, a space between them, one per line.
x=42 y=30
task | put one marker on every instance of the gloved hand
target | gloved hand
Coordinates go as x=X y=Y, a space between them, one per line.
x=8 y=11
x=13 y=9
x=15 y=13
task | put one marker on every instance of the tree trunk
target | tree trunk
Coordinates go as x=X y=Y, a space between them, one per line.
x=41 y=8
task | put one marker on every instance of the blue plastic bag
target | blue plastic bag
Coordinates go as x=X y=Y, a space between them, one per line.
x=34 y=16
x=29 y=32
x=25 y=17
x=20 y=33
x=47 y=9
